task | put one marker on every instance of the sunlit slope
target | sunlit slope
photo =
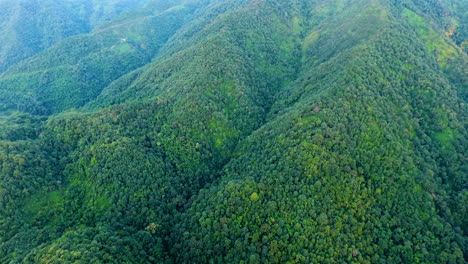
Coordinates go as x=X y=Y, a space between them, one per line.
x=356 y=171
x=362 y=160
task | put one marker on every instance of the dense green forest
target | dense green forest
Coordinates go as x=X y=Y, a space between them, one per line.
x=233 y=131
x=28 y=27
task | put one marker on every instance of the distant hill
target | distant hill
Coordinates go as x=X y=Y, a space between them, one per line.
x=30 y=26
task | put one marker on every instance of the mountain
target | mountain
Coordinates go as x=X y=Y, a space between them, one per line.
x=30 y=26
x=75 y=70
x=240 y=131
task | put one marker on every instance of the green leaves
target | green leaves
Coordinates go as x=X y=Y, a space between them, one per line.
x=252 y=132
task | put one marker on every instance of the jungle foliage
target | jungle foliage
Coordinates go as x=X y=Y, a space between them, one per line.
x=220 y=131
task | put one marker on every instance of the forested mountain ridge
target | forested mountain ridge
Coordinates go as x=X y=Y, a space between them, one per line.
x=76 y=69
x=241 y=132
x=29 y=26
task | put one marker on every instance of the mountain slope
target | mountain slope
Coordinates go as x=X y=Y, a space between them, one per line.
x=28 y=26
x=75 y=70
x=253 y=132
x=333 y=178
